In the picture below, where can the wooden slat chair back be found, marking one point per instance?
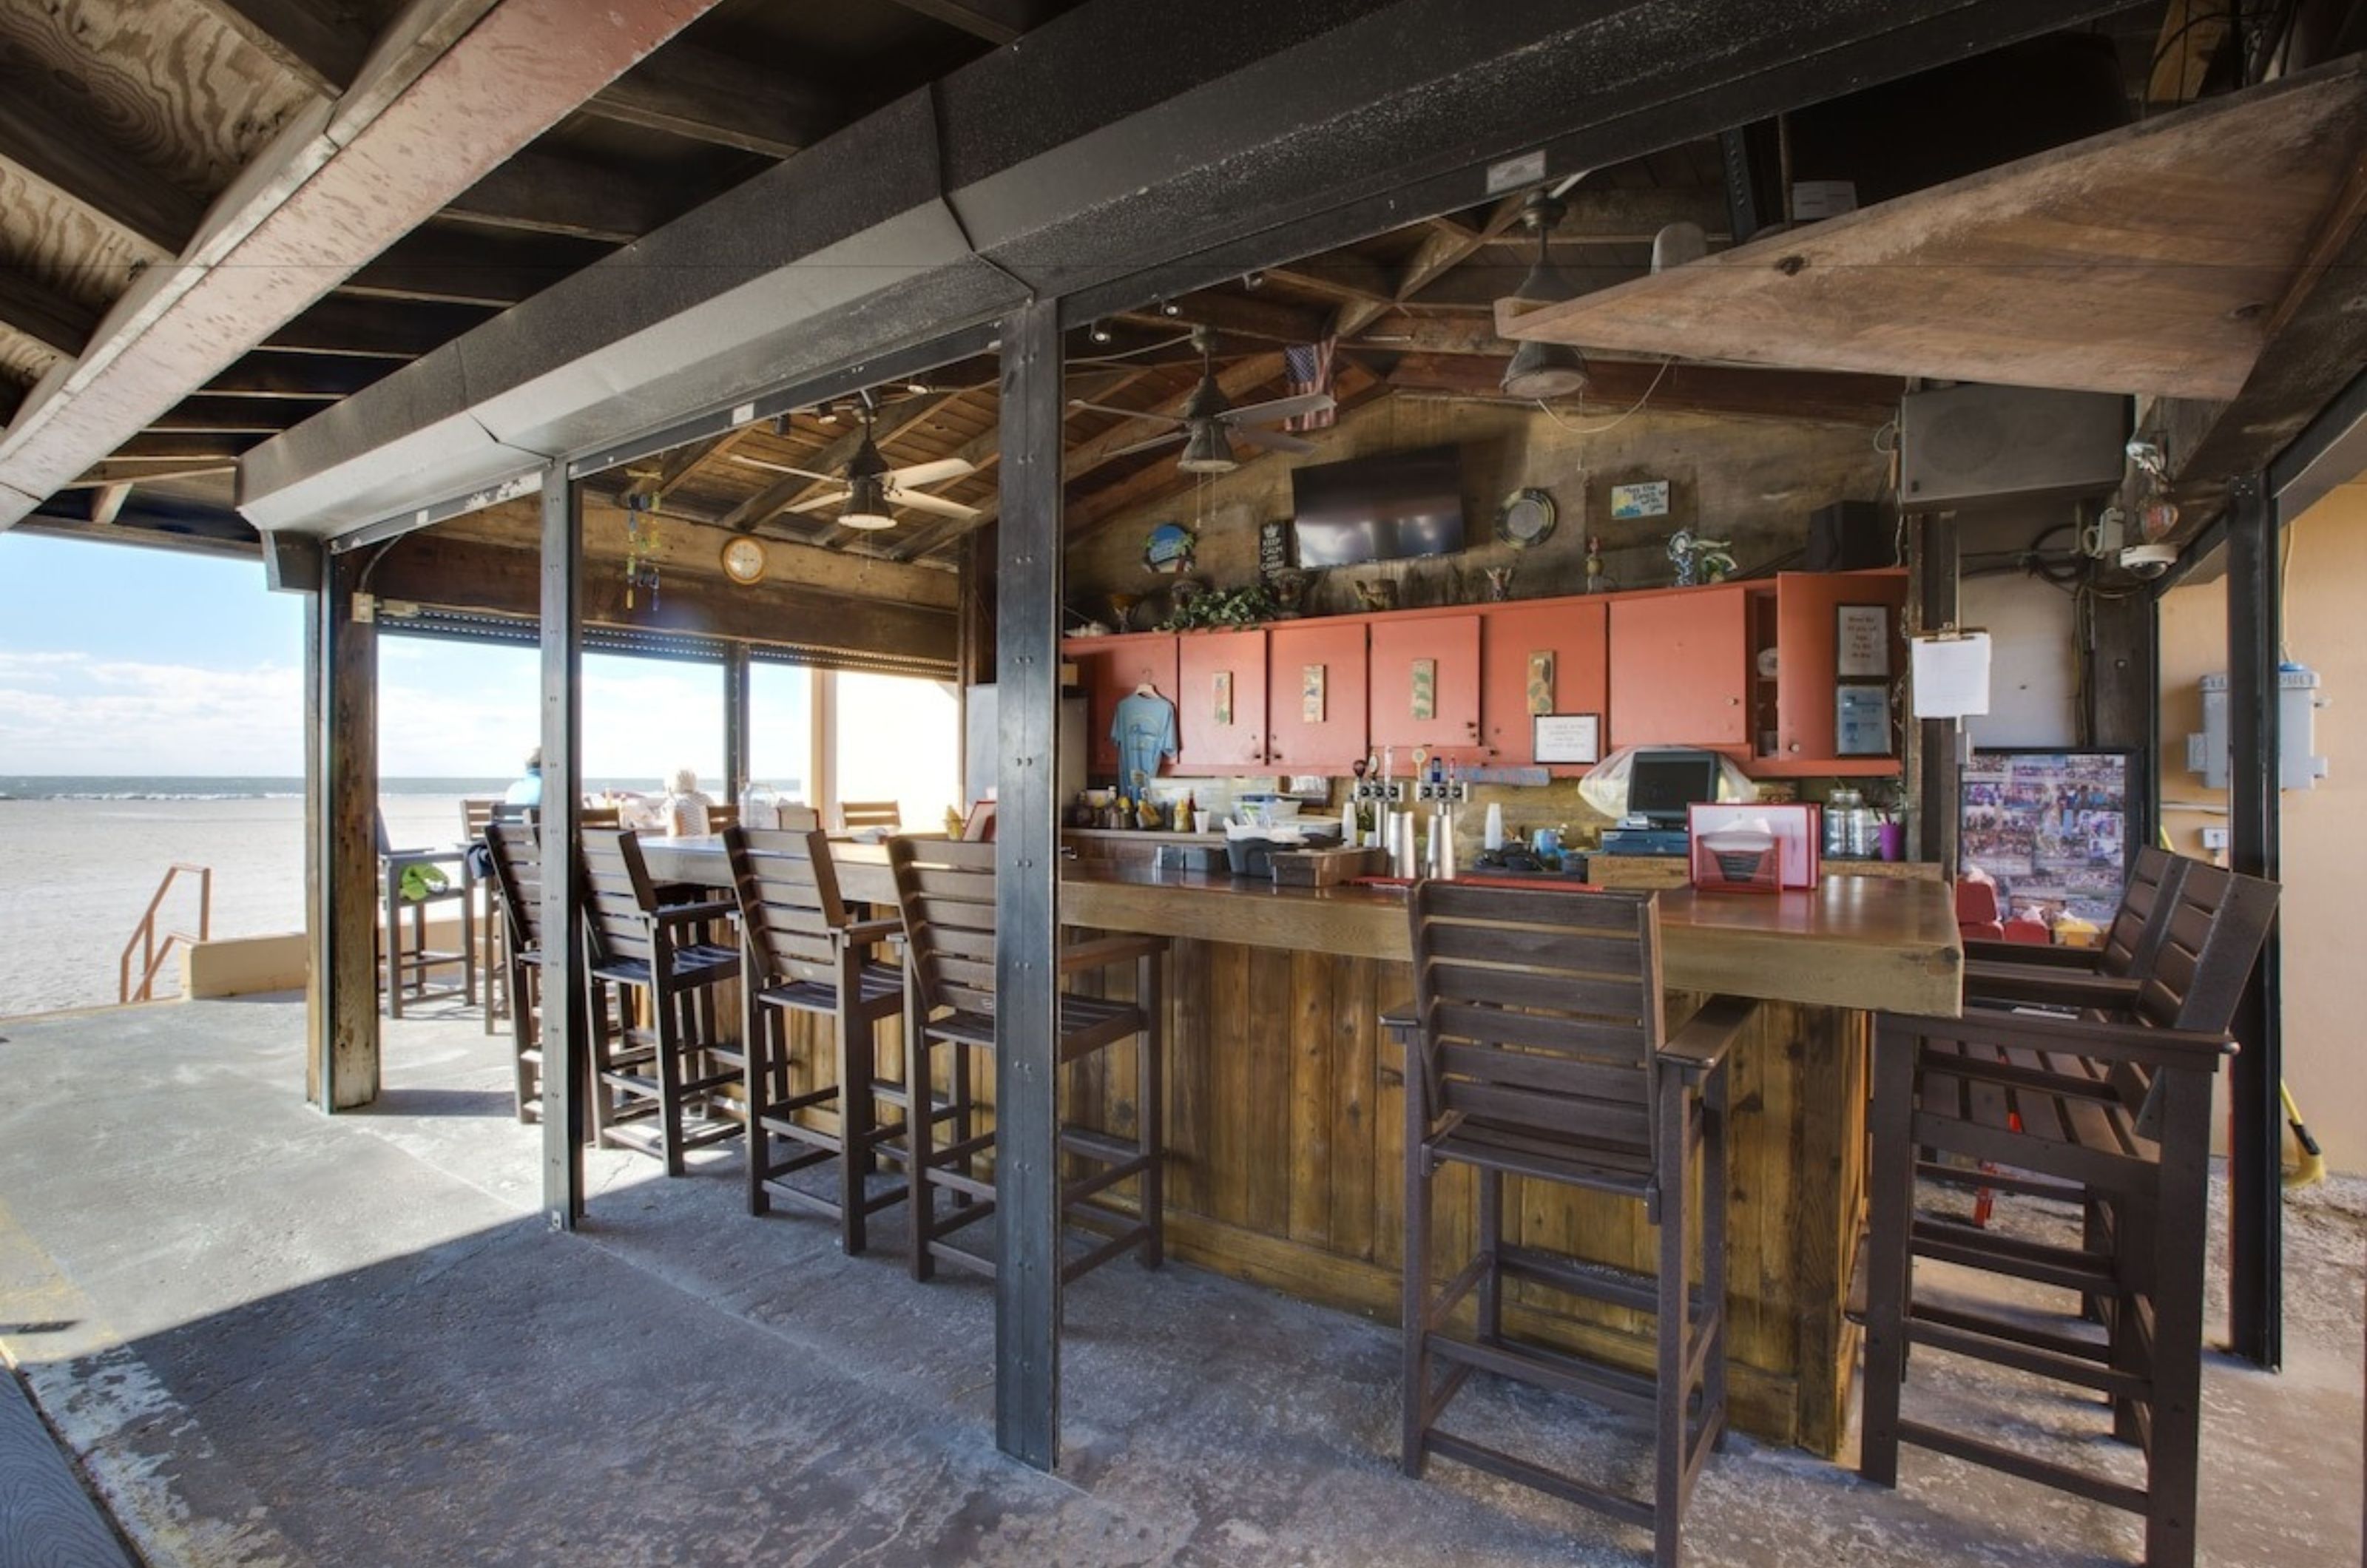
(946, 890)
(1538, 1048)
(647, 1083)
(2015, 975)
(856, 815)
(2112, 1108)
(2143, 918)
(722, 816)
(516, 854)
(807, 952)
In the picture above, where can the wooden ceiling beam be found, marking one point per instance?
(684, 461)
(372, 329)
(543, 193)
(2191, 33)
(1442, 250)
(235, 416)
(107, 502)
(706, 95)
(1242, 315)
(187, 447)
(48, 319)
(1616, 384)
(452, 90)
(76, 161)
(321, 377)
(134, 471)
(322, 50)
(997, 21)
(439, 265)
(1342, 275)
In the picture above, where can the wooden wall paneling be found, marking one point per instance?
(1356, 1033)
(1314, 1041)
(1396, 991)
(1229, 1151)
(1267, 1140)
(1190, 1073)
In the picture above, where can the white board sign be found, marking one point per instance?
(1650, 499)
(1568, 738)
(1951, 675)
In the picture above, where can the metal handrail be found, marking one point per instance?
(152, 950)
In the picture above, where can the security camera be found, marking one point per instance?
(2148, 560)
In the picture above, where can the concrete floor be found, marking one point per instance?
(271, 1338)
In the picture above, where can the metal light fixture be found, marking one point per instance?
(1544, 369)
(1208, 450)
(866, 504)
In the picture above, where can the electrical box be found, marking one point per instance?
(2297, 704)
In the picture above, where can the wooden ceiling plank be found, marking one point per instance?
(2191, 32)
(1239, 315)
(1341, 275)
(1815, 396)
(542, 193)
(997, 21)
(318, 377)
(451, 89)
(2145, 260)
(77, 161)
(235, 416)
(890, 423)
(1442, 249)
(358, 328)
(135, 470)
(684, 461)
(48, 318)
(706, 95)
(324, 52)
(107, 502)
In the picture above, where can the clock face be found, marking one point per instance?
(743, 561)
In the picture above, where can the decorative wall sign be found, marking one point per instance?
(1273, 548)
(1169, 548)
(1310, 694)
(1540, 682)
(1861, 642)
(1222, 709)
(1650, 499)
(1425, 690)
(1568, 738)
(1862, 720)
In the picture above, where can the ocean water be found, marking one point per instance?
(81, 857)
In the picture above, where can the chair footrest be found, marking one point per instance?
(2001, 1351)
(2013, 1461)
(1629, 1510)
(1971, 1248)
(1549, 1369)
(1596, 1282)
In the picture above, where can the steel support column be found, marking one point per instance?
(1027, 844)
(735, 721)
(341, 1068)
(565, 1048)
(2256, 1148)
(1934, 769)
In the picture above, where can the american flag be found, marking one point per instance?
(1306, 367)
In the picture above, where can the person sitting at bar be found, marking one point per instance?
(527, 791)
(684, 815)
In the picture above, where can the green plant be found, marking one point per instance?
(1223, 608)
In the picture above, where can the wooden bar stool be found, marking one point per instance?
(516, 852)
(1539, 1049)
(477, 812)
(408, 965)
(645, 1083)
(2008, 973)
(946, 890)
(2109, 1110)
(803, 952)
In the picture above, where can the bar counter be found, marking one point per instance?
(1285, 1099)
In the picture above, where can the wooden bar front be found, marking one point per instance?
(1284, 1102)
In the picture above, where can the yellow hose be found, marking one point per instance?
(2311, 1168)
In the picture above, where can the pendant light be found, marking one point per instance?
(1208, 450)
(867, 485)
(1544, 369)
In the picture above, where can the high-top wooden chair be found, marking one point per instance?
(946, 892)
(2107, 976)
(516, 854)
(853, 816)
(1539, 1049)
(407, 964)
(803, 952)
(2108, 1110)
(645, 1086)
(476, 813)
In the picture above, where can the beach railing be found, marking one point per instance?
(153, 949)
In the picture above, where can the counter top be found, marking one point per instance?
(1854, 941)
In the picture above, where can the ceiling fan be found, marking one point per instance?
(870, 487)
(1209, 424)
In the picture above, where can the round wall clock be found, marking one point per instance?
(1526, 518)
(743, 561)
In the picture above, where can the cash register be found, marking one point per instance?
(1662, 788)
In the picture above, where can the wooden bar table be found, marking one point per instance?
(1284, 1109)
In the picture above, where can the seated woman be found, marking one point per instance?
(684, 814)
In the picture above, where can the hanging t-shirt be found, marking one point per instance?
(1144, 729)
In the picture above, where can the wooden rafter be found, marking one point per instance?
(48, 319)
(326, 53)
(2191, 33)
(1241, 315)
(684, 461)
(77, 161)
(544, 193)
(997, 21)
(1442, 249)
(709, 95)
(368, 329)
(1617, 384)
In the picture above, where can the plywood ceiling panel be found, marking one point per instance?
(2147, 260)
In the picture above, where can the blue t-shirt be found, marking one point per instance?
(526, 791)
(1144, 729)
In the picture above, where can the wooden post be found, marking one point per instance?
(2124, 694)
(1931, 765)
(565, 1045)
(341, 1066)
(1027, 844)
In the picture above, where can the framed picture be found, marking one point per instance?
(2051, 828)
(1862, 720)
(1310, 694)
(1540, 682)
(1221, 709)
(1425, 690)
(1574, 739)
(1861, 642)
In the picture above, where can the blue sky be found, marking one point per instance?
(119, 660)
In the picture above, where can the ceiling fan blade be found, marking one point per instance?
(1279, 408)
(1170, 439)
(1273, 441)
(784, 469)
(817, 503)
(931, 473)
(1124, 414)
(918, 502)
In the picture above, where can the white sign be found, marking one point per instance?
(1568, 738)
(1650, 499)
(1951, 675)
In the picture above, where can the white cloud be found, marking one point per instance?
(62, 712)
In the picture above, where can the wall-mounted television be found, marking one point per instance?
(1379, 508)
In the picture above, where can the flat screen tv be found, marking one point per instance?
(2052, 828)
(1380, 508)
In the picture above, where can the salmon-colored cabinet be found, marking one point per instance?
(1220, 701)
(1808, 607)
(1447, 714)
(1109, 669)
(1574, 633)
(1680, 669)
(1315, 722)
